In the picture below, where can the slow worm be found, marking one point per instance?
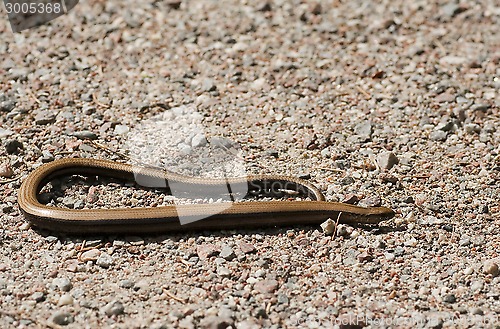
(241, 214)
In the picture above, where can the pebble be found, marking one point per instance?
(372, 201)
(387, 160)
(85, 134)
(223, 271)
(6, 170)
(472, 128)
(364, 130)
(7, 106)
(113, 308)
(127, 284)
(104, 260)
(246, 248)
(121, 129)
(65, 299)
(13, 146)
(90, 255)
(328, 226)
(206, 251)
(266, 286)
(47, 156)
(343, 230)
(227, 253)
(5, 133)
(199, 140)
(45, 118)
(64, 284)
(490, 267)
(438, 136)
(214, 321)
(62, 318)
(38, 296)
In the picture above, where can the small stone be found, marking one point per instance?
(246, 247)
(227, 253)
(199, 140)
(44, 118)
(477, 311)
(305, 176)
(438, 136)
(62, 318)
(372, 201)
(328, 226)
(446, 126)
(13, 146)
(480, 107)
(85, 134)
(445, 97)
(69, 201)
(343, 230)
(127, 284)
(350, 198)
(364, 257)
(491, 267)
(63, 284)
(65, 299)
(5, 133)
(114, 308)
(121, 129)
(264, 6)
(273, 153)
(223, 271)
(38, 296)
(206, 251)
(451, 9)
(387, 160)
(450, 298)
(208, 85)
(7, 105)
(47, 156)
(6, 170)
(472, 128)
(104, 260)
(364, 130)
(347, 180)
(90, 255)
(213, 321)
(266, 286)
(316, 9)
(222, 142)
(174, 4)
(476, 286)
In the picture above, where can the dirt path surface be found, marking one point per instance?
(394, 103)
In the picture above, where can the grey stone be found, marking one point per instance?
(38, 296)
(85, 134)
(45, 117)
(7, 106)
(5, 133)
(64, 284)
(12, 146)
(113, 308)
(199, 140)
(387, 160)
(266, 286)
(104, 260)
(62, 318)
(227, 253)
(47, 156)
(438, 136)
(364, 130)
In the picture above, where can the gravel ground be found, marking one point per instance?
(391, 102)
